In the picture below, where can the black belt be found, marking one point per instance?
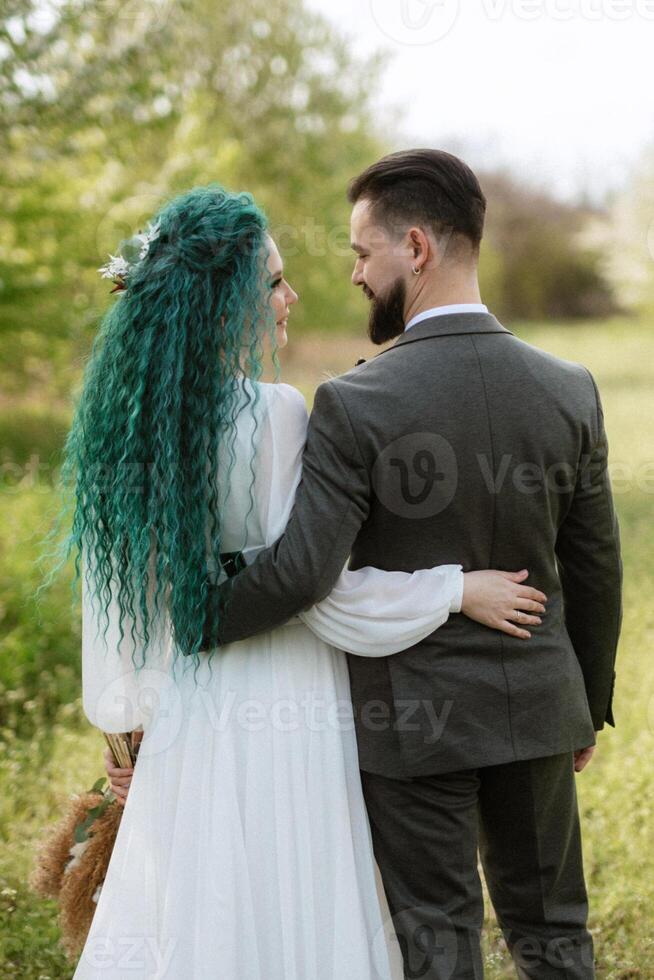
(232, 562)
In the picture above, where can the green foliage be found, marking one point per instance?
(122, 105)
(82, 830)
(39, 670)
(29, 936)
(536, 260)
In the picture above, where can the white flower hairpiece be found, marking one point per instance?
(146, 237)
(133, 250)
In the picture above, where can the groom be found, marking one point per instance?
(459, 444)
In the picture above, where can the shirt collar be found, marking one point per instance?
(443, 310)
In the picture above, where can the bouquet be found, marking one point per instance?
(72, 860)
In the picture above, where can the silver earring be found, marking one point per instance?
(416, 272)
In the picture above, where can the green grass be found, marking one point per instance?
(48, 750)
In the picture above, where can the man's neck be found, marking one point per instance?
(430, 298)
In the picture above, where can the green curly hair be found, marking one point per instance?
(160, 397)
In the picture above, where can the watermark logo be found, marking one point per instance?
(568, 10)
(133, 953)
(424, 22)
(142, 16)
(415, 22)
(426, 939)
(151, 698)
(416, 476)
(119, 223)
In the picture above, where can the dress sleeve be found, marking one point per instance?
(369, 612)
(282, 436)
(115, 696)
(374, 613)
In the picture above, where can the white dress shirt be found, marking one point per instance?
(442, 310)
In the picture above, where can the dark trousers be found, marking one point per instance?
(522, 818)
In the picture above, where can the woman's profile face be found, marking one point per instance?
(282, 296)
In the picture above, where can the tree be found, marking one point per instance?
(538, 261)
(108, 107)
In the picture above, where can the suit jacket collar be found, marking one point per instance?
(449, 325)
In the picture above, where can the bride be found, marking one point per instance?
(244, 849)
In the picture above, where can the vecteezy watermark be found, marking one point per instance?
(312, 713)
(150, 697)
(407, 715)
(416, 476)
(142, 953)
(167, 238)
(415, 22)
(560, 953)
(153, 698)
(567, 10)
(423, 22)
(143, 16)
(306, 236)
(33, 474)
(119, 221)
(526, 477)
(427, 941)
(313, 238)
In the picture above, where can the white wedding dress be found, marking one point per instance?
(244, 849)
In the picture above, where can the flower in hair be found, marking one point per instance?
(116, 270)
(131, 251)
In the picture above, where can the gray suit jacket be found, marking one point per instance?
(458, 444)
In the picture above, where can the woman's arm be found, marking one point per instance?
(116, 697)
(375, 613)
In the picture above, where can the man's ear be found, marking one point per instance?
(419, 246)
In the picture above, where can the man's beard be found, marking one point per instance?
(386, 320)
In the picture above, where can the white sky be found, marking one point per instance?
(561, 90)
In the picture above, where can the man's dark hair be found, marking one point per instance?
(423, 186)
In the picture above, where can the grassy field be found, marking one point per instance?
(48, 750)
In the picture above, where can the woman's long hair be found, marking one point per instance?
(159, 398)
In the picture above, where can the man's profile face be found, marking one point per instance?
(380, 257)
(380, 271)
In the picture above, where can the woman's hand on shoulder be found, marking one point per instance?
(502, 601)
